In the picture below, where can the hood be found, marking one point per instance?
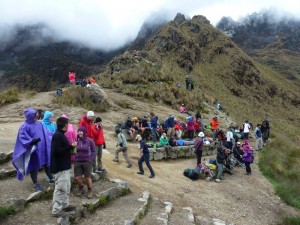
(29, 115)
(221, 149)
(47, 116)
(83, 130)
(64, 115)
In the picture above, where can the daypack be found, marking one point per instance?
(118, 127)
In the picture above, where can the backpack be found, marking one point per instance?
(118, 127)
(191, 174)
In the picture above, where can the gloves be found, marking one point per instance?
(35, 141)
(121, 144)
(104, 146)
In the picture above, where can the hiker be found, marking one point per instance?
(98, 137)
(197, 115)
(129, 126)
(86, 153)
(60, 164)
(71, 135)
(83, 82)
(153, 124)
(187, 82)
(248, 156)
(144, 126)
(220, 162)
(145, 156)
(48, 123)
(229, 138)
(190, 127)
(238, 152)
(258, 138)
(219, 106)
(87, 122)
(214, 127)
(92, 80)
(31, 151)
(265, 129)
(72, 78)
(178, 129)
(122, 147)
(246, 129)
(170, 124)
(182, 109)
(198, 145)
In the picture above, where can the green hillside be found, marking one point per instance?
(247, 89)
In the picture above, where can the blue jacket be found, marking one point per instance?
(257, 133)
(153, 122)
(170, 122)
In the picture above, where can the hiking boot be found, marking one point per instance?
(129, 165)
(218, 180)
(90, 194)
(151, 176)
(79, 191)
(141, 173)
(38, 187)
(115, 160)
(69, 208)
(247, 173)
(61, 213)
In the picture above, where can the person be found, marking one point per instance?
(153, 125)
(48, 123)
(214, 127)
(86, 153)
(98, 136)
(219, 106)
(258, 138)
(122, 146)
(238, 152)
(92, 80)
(197, 115)
(129, 126)
(220, 161)
(144, 157)
(72, 78)
(229, 138)
(248, 156)
(31, 151)
(60, 165)
(71, 135)
(190, 127)
(170, 124)
(246, 130)
(265, 129)
(83, 82)
(87, 122)
(198, 145)
(187, 82)
(182, 109)
(178, 129)
(163, 140)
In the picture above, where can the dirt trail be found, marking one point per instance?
(239, 199)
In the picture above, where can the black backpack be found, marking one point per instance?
(191, 174)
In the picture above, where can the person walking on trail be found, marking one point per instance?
(258, 138)
(247, 128)
(198, 145)
(99, 140)
(122, 147)
(87, 122)
(60, 165)
(32, 149)
(265, 129)
(214, 127)
(220, 162)
(145, 157)
(86, 153)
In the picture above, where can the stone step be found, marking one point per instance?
(158, 213)
(104, 191)
(125, 210)
(182, 216)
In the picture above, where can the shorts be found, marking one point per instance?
(83, 168)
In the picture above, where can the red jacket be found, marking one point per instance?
(84, 122)
(214, 124)
(98, 135)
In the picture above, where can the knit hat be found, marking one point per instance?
(90, 114)
(64, 115)
(98, 119)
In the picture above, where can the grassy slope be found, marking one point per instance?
(247, 89)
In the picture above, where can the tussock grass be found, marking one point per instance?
(82, 97)
(5, 211)
(291, 221)
(9, 96)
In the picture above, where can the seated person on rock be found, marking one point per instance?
(163, 140)
(129, 126)
(182, 109)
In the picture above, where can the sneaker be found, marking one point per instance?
(151, 176)
(218, 180)
(69, 208)
(90, 194)
(129, 165)
(141, 173)
(61, 213)
(51, 181)
(38, 187)
(101, 169)
(115, 160)
(79, 192)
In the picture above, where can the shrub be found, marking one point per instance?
(5, 211)
(9, 96)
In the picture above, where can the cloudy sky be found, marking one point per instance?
(109, 24)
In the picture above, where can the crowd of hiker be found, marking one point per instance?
(54, 146)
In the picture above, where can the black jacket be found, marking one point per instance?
(60, 158)
(220, 155)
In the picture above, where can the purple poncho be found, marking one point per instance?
(28, 158)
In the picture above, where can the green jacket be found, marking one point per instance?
(163, 141)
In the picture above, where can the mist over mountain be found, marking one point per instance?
(268, 37)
